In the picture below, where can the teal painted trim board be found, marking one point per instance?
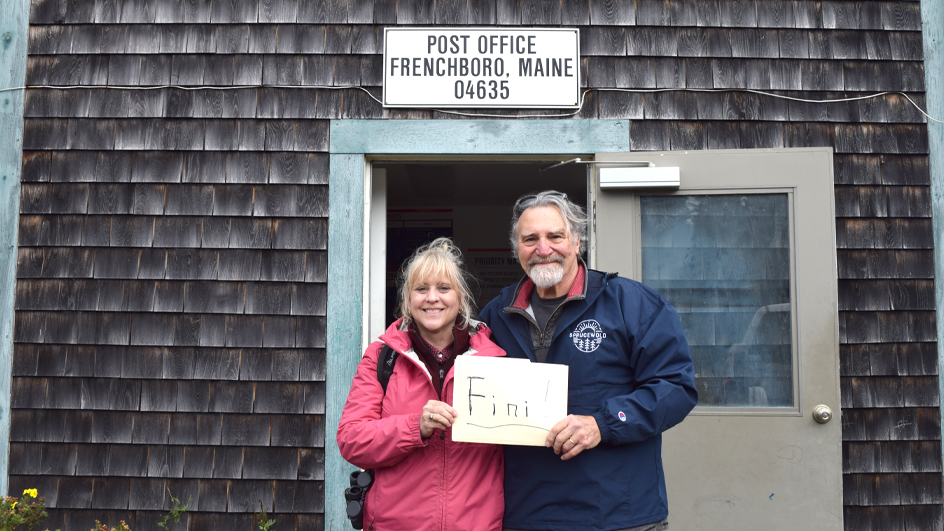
(932, 32)
(351, 142)
(14, 29)
(345, 300)
(498, 137)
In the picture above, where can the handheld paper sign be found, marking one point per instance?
(507, 401)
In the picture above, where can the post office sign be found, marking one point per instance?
(481, 67)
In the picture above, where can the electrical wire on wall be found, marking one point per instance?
(487, 115)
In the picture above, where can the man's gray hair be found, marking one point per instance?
(574, 215)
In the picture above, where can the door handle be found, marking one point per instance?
(822, 414)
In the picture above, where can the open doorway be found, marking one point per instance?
(469, 202)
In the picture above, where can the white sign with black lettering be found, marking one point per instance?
(507, 400)
(481, 67)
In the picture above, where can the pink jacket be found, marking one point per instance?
(437, 484)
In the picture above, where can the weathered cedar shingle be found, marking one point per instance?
(75, 492)
(920, 489)
(250, 234)
(141, 362)
(245, 496)
(270, 463)
(146, 493)
(212, 330)
(215, 364)
(200, 38)
(194, 264)
(193, 396)
(185, 428)
(165, 461)
(173, 38)
(231, 397)
(273, 397)
(25, 360)
(255, 364)
(110, 493)
(213, 495)
(247, 71)
(621, 105)
(311, 464)
(198, 462)
(277, 11)
(132, 231)
(268, 298)
(871, 489)
(279, 332)
(187, 330)
(262, 38)
(287, 266)
(127, 460)
(158, 395)
(612, 14)
(309, 497)
(905, 46)
(366, 39)
(297, 431)
(37, 231)
(112, 427)
(283, 498)
(240, 265)
(243, 430)
(232, 38)
(215, 232)
(301, 39)
(309, 299)
(540, 12)
(901, 16)
(314, 397)
(229, 12)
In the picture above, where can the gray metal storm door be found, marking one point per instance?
(745, 251)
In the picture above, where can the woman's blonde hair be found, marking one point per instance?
(440, 258)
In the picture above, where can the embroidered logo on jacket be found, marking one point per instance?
(588, 335)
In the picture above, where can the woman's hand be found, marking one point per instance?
(436, 415)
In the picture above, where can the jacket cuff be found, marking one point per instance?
(605, 433)
(415, 429)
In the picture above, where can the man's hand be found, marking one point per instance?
(573, 435)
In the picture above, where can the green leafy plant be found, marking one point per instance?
(27, 512)
(263, 519)
(173, 517)
(122, 526)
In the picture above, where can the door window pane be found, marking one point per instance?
(723, 261)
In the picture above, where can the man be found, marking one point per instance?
(631, 378)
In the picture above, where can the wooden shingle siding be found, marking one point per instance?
(172, 262)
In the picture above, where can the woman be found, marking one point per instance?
(422, 478)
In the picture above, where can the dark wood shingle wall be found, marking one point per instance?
(172, 257)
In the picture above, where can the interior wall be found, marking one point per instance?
(470, 202)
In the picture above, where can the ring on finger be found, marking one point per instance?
(430, 416)
(572, 441)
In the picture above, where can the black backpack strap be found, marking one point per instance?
(388, 358)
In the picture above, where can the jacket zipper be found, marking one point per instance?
(533, 322)
(445, 455)
(442, 516)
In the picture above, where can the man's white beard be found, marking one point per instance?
(546, 273)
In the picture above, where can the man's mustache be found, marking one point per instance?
(551, 259)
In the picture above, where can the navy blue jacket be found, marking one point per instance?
(631, 369)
